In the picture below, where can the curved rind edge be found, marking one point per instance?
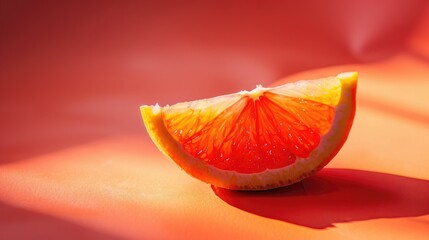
(273, 178)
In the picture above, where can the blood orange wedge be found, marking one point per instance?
(262, 139)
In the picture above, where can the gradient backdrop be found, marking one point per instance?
(77, 163)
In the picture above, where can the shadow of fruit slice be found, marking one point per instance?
(336, 196)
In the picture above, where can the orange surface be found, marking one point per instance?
(76, 161)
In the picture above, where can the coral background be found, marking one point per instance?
(77, 163)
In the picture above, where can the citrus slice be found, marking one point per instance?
(259, 139)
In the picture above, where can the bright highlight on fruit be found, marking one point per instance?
(259, 139)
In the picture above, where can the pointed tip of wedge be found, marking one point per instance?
(154, 108)
(348, 76)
